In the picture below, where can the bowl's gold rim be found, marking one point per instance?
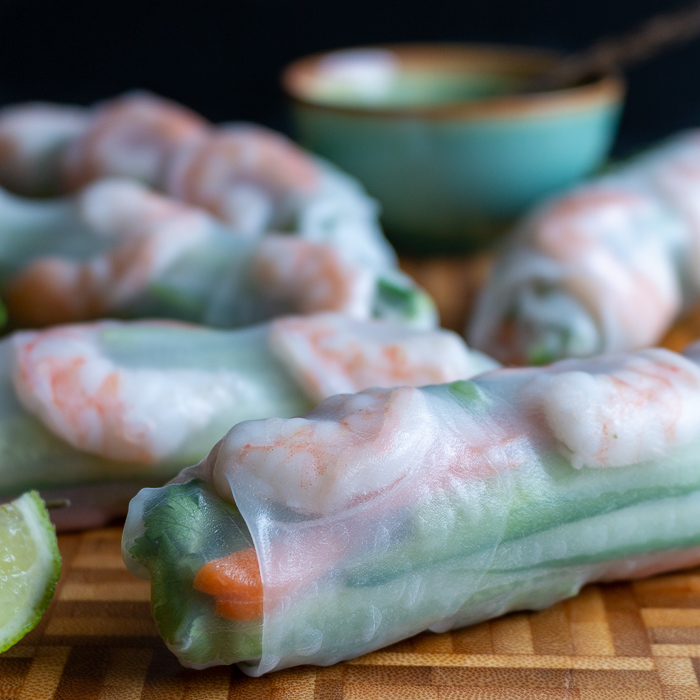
(515, 60)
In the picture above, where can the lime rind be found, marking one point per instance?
(29, 516)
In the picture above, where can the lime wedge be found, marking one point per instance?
(30, 565)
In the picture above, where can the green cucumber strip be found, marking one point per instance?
(539, 499)
(398, 299)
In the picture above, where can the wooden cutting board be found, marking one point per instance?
(634, 640)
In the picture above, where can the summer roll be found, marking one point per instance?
(606, 267)
(254, 179)
(96, 411)
(120, 249)
(381, 514)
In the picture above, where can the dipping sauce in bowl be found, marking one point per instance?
(440, 135)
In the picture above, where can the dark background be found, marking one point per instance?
(224, 58)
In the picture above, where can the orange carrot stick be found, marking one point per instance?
(234, 581)
(236, 584)
(234, 610)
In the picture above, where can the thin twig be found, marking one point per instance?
(612, 53)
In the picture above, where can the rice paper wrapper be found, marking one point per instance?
(382, 514)
(604, 267)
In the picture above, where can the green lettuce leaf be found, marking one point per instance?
(186, 525)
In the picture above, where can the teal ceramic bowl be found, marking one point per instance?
(437, 133)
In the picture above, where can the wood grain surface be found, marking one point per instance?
(614, 642)
(633, 640)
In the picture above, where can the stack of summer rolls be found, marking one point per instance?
(410, 497)
(248, 226)
(387, 512)
(276, 249)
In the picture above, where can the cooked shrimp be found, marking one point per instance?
(570, 226)
(50, 291)
(131, 136)
(246, 175)
(311, 277)
(63, 376)
(376, 447)
(332, 354)
(32, 139)
(626, 280)
(612, 411)
(118, 207)
(328, 460)
(615, 411)
(151, 233)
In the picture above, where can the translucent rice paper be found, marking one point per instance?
(254, 179)
(606, 267)
(84, 405)
(331, 354)
(118, 248)
(385, 513)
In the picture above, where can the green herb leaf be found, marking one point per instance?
(186, 525)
